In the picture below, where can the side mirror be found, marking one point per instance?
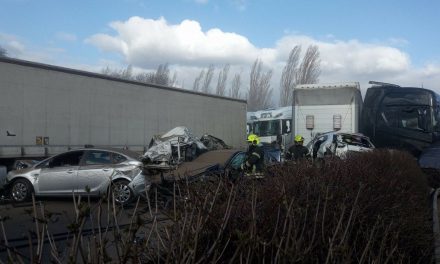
(286, 127)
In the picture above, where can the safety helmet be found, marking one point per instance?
(299, 138)
(252, 138)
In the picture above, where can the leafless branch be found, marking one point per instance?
(259, 88)
(208, 79)
(309, 70)
(288, 77)
(235, 87)
(221, 82)
(196, 85)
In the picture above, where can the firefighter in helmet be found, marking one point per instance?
(297, 151)
(255, 155)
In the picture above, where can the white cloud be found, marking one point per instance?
(148, 42)
(17, 48)
(11, 43)
(351, 57)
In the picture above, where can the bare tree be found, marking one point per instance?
(288, 77)
(106, 71)
(144, 77)
(162, 75)
(126, 73)
(259, 88)
(221, 82)
(235, 87)
(196, 85)
(173, 81)
(309, 70)
(208, 79)
(3, 52)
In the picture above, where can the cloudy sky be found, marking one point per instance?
(389, 40)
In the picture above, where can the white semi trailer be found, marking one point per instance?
(325, 107)
(45, 110)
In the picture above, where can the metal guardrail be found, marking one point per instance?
(436, 225)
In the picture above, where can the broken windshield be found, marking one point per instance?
(267, 128)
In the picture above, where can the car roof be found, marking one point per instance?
(126, 152)
(340, 133)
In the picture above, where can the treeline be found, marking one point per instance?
(297, 70)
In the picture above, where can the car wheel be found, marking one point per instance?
(121, 192)
(21, 190)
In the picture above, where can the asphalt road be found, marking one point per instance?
(21, 223)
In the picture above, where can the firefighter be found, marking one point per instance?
(297, 151)
(255, 155)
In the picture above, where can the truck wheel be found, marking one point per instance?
(21, 190)
(121, 192)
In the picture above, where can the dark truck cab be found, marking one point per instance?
(405, 118)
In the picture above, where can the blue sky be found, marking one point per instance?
(394, 41)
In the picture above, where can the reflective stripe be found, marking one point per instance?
(256, 154)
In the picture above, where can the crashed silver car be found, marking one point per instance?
(172, 148)
(89, 171)
(338, 144)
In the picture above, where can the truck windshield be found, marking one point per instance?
(267, 128)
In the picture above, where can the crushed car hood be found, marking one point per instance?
(161, 146)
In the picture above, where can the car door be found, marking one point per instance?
(95, 172)
(58, 174)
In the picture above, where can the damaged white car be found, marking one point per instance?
(338, 144)
(172, 148)
(89, 171)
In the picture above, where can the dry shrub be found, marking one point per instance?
(368, 208)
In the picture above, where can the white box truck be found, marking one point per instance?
(45, 110)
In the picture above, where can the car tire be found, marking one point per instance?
(21, 190)
(121, 192)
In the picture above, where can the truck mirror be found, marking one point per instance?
(287, 128)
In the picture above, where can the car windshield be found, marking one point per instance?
(356, 140)
(267, 128)
(237, 161)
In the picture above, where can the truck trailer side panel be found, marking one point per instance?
(46, 110)
(323, 117)
(330, 107)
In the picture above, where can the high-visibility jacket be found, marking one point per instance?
(297, 152)
(255, 158)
